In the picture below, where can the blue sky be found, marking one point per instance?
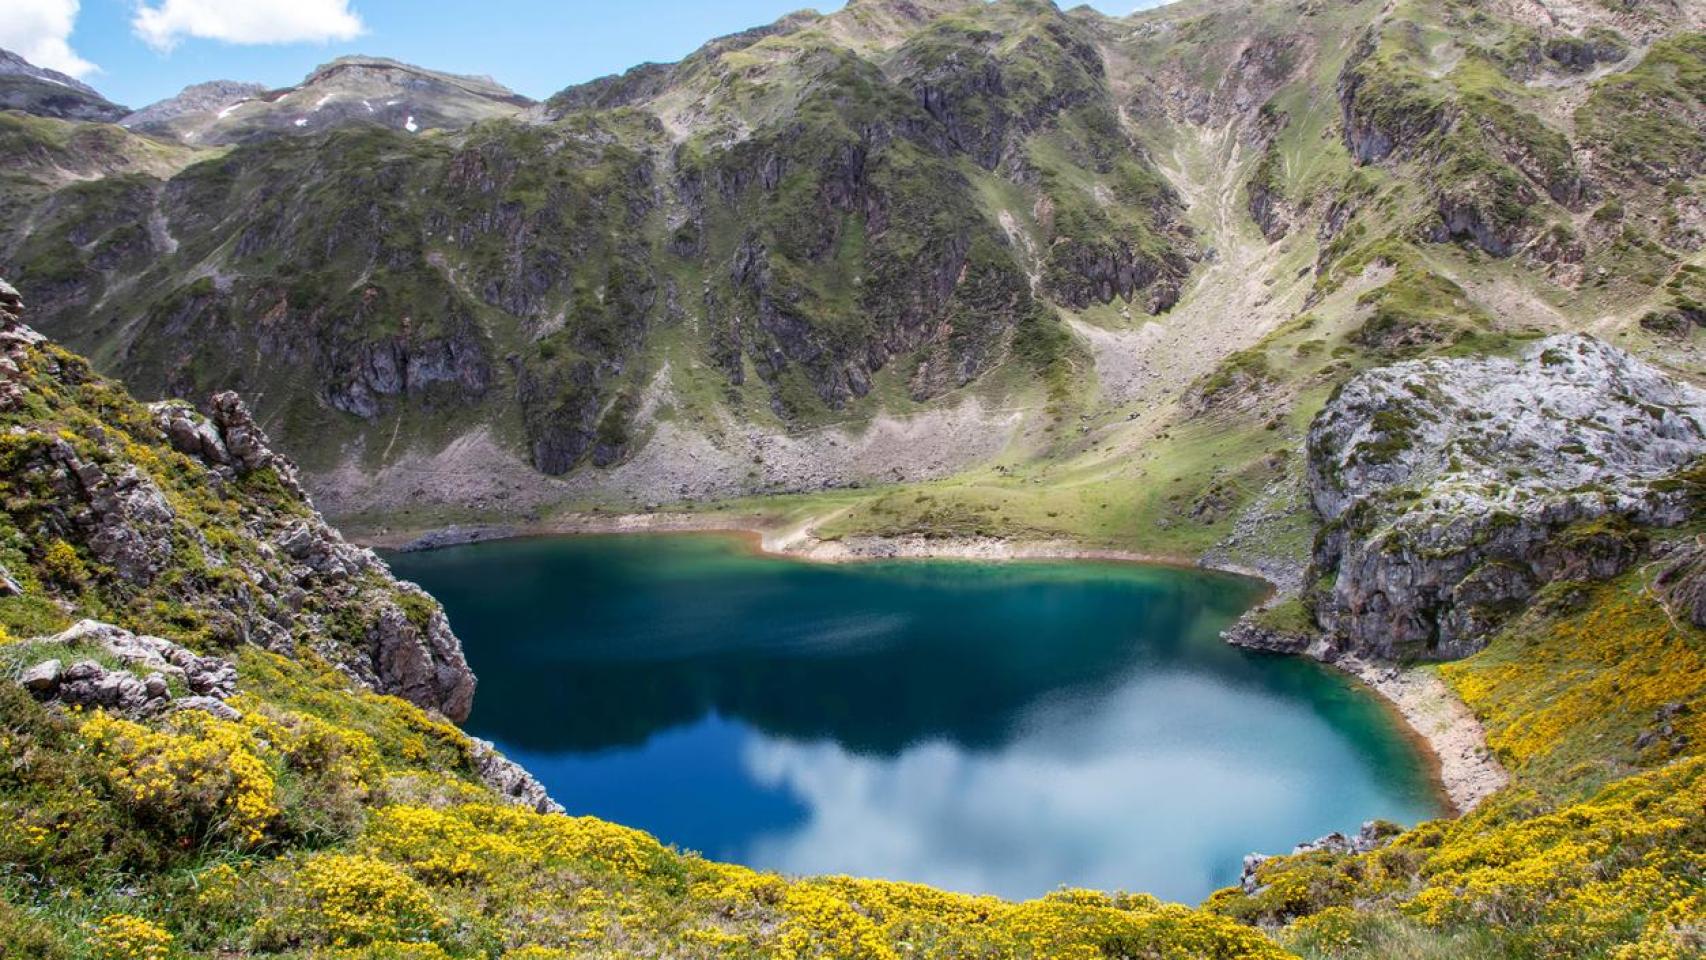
(139, 51)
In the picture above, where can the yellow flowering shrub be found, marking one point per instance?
(387, 950)
(312, 746)
(62, 564)
(120, 936)
(1332, 932)
(1563, 698)
(356, 900)
(440, 846)
(584, 840)
(822, 925)
(1586, 856)
(198, 775)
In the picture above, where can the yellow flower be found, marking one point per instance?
(120, 936)
(207, 775)
(353, 900)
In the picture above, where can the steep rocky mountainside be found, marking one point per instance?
(904, 242)
(164, 521)
(816, 213)
(49, 93)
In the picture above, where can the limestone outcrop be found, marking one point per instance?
(143, 676)
(1452, 490)
(222, 535)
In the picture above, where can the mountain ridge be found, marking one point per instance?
(1332, 292)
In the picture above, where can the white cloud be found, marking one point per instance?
(1144, 791)
(162, 25)
(40, 32)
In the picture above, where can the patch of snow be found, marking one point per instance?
(302, 121)
(231, 109)
(369, 106)
(410, 125)
(323, 100)
(392, 103)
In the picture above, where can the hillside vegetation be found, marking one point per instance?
(1397, 302)
(311, 816)
(1045, 246)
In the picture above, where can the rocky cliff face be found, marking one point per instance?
(1452, 490)
(811, 240)
(833, 218)
(165, 518)
(49, 93)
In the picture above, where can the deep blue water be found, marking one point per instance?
(1001, 728)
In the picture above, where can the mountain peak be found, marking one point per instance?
(49, 93)
(348, 91)
(195, 99)
(366, 68)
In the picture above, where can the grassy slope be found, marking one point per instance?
(331, 821)
(1595, 848)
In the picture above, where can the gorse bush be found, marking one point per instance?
(1586, 856)
(202, 778)
(123, 937)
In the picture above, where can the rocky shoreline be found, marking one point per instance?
(1466, 770)
(797, 542)
(1453, 739)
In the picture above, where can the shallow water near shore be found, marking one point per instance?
(993, 728)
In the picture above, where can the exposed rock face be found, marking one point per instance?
(418, 661)
(1251, 635)
(511, 779)
(414, 656)
(1269, 209)
(162, 664)
(1081, 272)
(49, 93)
(1377, 122)
(104, 496)
(1681, 583)
(1454, 489)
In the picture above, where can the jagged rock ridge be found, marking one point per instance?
(49, 93)
(125, 516)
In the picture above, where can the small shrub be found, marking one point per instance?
(352, 901)
(121, 936)
(62, 565)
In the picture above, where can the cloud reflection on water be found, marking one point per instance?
(998, 821)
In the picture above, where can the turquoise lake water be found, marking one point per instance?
(998, 728)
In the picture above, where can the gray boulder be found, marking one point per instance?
(42, 677)
(1453, 490)
(141, 686)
